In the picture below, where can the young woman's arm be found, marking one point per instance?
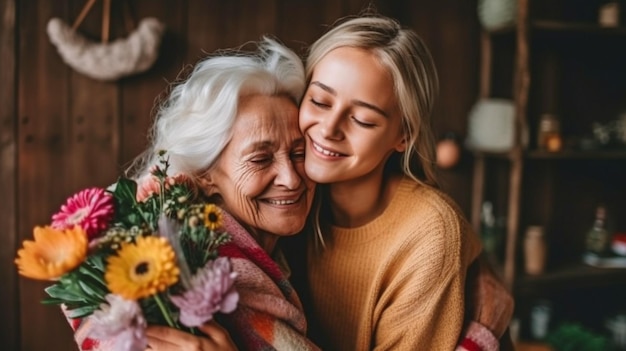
(489, 306)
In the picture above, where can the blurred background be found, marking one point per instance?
(61, 131)
(530, 118)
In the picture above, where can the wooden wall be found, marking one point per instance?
(61, 131)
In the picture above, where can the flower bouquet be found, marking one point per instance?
(129, 256)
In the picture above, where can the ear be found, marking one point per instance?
(207, 184)
(401, 146)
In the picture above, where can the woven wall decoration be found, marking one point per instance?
(107, 61)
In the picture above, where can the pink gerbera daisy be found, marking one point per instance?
(91, 209)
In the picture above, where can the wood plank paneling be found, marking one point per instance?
(62, 131)
(452, 35)
(93, 138)
(302, 22)
(43, 134)
(9, 326)
(139, 92)
(246, 20)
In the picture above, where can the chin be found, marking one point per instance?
(287, 229)
(317, 174)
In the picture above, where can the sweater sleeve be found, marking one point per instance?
(421, 307)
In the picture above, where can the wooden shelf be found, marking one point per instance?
(614, 154)
(573, 69)
(575, 275)
(575, 154)
(577, 28)
(532, 346)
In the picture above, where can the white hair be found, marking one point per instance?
(195, 123)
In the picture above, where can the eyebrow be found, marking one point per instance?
(258, 145)
(267, 144)
(361, 103)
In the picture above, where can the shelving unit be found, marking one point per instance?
(556, 59)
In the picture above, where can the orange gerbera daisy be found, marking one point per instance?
(53, 253)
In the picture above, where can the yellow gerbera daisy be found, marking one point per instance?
(142, 268)
(53, 253)
(212, 217)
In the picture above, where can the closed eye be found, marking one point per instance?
(363, 124)
(260, 160)
(319, 104)
(298, 155)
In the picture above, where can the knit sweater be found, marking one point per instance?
(396, 283)
(269, 315)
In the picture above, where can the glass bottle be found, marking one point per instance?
(535, 250)
(549, 133)
(598, 237)
(488, 228)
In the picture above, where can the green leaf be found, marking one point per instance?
(80, 312)
(65, 293)
(125, 191)
(52, 301)
(91, 290)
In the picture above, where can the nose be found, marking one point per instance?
(287, 176)
(331, 126)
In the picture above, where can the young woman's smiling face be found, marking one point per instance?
(350, 117)
(260, 174)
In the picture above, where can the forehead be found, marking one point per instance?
(267, 118)
(358, 74)
(360, 65)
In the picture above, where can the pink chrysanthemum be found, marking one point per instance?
(91, 209)
(147, 187)
(150, 185)
(120, 324)
(212, 290)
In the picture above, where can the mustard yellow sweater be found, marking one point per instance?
(396, 283)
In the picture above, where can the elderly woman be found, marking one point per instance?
(232, 127)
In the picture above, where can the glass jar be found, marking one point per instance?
(535, 250)
(549, 133)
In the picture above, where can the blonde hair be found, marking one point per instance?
(416, 84)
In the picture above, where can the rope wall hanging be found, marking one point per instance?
(107, 61)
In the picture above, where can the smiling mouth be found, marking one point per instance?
(325, 152)
(281, 202)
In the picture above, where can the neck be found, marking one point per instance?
(360, 201)
(265, 240)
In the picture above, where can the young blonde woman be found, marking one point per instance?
(388, 268)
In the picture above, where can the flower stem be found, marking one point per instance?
(165, 311)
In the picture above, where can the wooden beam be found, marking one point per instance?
(9, 302)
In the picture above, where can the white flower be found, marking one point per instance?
(121, 323)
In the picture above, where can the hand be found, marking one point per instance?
(169, 339)
(491, 304)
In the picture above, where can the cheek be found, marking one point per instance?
(304, 117)
(299, 167)
(253, 183)
(244, 188)
(244, 208)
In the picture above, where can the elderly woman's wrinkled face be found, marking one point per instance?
(260, 174)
